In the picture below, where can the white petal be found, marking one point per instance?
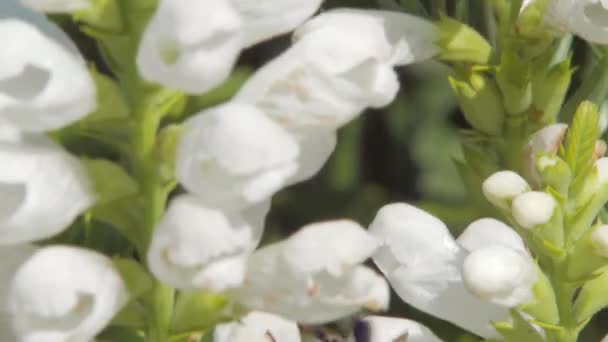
(12, 257)
(265, 19)
(190, 45)
(258, 327)
(234, 156)
(43, 85)
(43, 190)
(200, 247)
(533, 208)
(422, 263)
(313, 276)
(316, 147)
(57, 6)
(585, 18)
(74, 304)
(345, 244)
(500, 274)
(488, 231)
(601, 165)
(599, 236)
(410, 38)
(501, 187)
(385, 329)
(548, 139)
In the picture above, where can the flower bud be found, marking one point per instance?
(501, 187)
(258, 326)
(550, 91)
(554, 172)
(533, 208)
(499, 274)
(480, 101)
(458, 42)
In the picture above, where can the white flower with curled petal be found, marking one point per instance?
(233, 155)
(384, 329)
(258, 327)
(315, 275)
(340, 64)
(43, 188)
(190, 45)
(423, 263)
(44, 85)
(200, 247)
(12, 258)
(74, 304)
(265, 19)
(57, 6)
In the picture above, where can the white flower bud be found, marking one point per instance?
(500, 275)
(33, 171)
(548, 139)
(533, 208)
(57, 6)
(488, 231)
(384, 329)
(601, 165)
(501, 187)
(600, 240)
(585, 18)
(199, 247)
(190, 45)
(75, 302)
(234, 156)
(258, 326)
(43, 84)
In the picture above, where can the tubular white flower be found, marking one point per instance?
(190, 45)
(74, 304)
(314, 276)
(500, 275)
(234, 156)
(548, 139)
(422, 263)
(200, 247)
(501, 187)
(600, 240)
(258, 327)
(488, 231)
(315, 149)
(533, 208)
(340, 64)
(383, 329)
(33, 171)
(264, 20)
(57, 6)
(585, 18)
(43, 84)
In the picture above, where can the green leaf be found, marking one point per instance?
(110, 181)
(135, 277)
(518, 330)
(580, 144)
(197, 311)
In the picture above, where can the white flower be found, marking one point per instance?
(314, 276)
(12, 257)
(258, 327)
(234, 156)
(200, 247)
(548, 139)
(190, 45)
(268, 18)
(385, 329)
(585, 18)
(422, 262)
(43, 189)
(44, 85)
(601, 167)
(501, 187)
(340, 64)
(57, 6)
(316, 146)
(77, 299)
(533, 208)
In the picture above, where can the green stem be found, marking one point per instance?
(564, 292)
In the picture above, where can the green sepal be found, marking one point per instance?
(166, 149)
(103, 15)
(544, 306)
(549, 92)
(198, 311)
(109, 180)
(514, 80)
(221, 93)
(518, 330)
(583, 258)
(458, 42)
(111, 103)
(592, 298)
(135, 277)
(531, 21)
(553, 172)
(479, 100)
